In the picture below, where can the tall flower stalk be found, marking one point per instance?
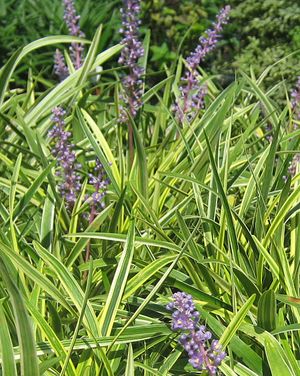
(192, 93)
(70, 185)
(72, 20)
(62, 149)
(195, 339)
(133, 50)
(76, 50)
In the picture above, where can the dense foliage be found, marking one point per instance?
(261, 34)
(129, 211)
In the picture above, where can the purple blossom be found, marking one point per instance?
(60, 68)
(132, 51)
(203, 354)
(63, 150)
(72, 20)
(192, 93)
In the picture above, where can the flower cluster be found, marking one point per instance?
(132, 51)
(295, 103)
(185, 315)
(63, 150)
(192, 93)
(100, 182)
(203, 355)
(72, 20)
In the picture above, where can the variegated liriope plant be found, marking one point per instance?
(174, 253)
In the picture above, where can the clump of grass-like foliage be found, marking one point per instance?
(205, 205)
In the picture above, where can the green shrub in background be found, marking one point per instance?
(23, 21)
(169, 21)
(260, 32)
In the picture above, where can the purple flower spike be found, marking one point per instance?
(203, 354)
(192, 93)
(295, 103)
(72, 20)
(60, 68)
(62, 149)
(132, 51)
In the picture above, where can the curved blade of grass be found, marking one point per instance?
(251, 185)
(7, 71)
(29, 360)
(170, 361)
(24, 201)
(90, 58)
(70, 285)
(14, 181)
(122, 238)
(146, 273)
(103, 143)
(28, 270)
(65, 89)
(230, 224)
(276, 360)
(6, 346)
(53, 341)
(130, 362)
(282, 212)
(134, 334)
(148, 369)
(236, 322)
(270, 260)
(47, 224)
(117, 288)
(266, 315)
(98, 151)
(81, 243)
(142, 160)
(86, 296)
